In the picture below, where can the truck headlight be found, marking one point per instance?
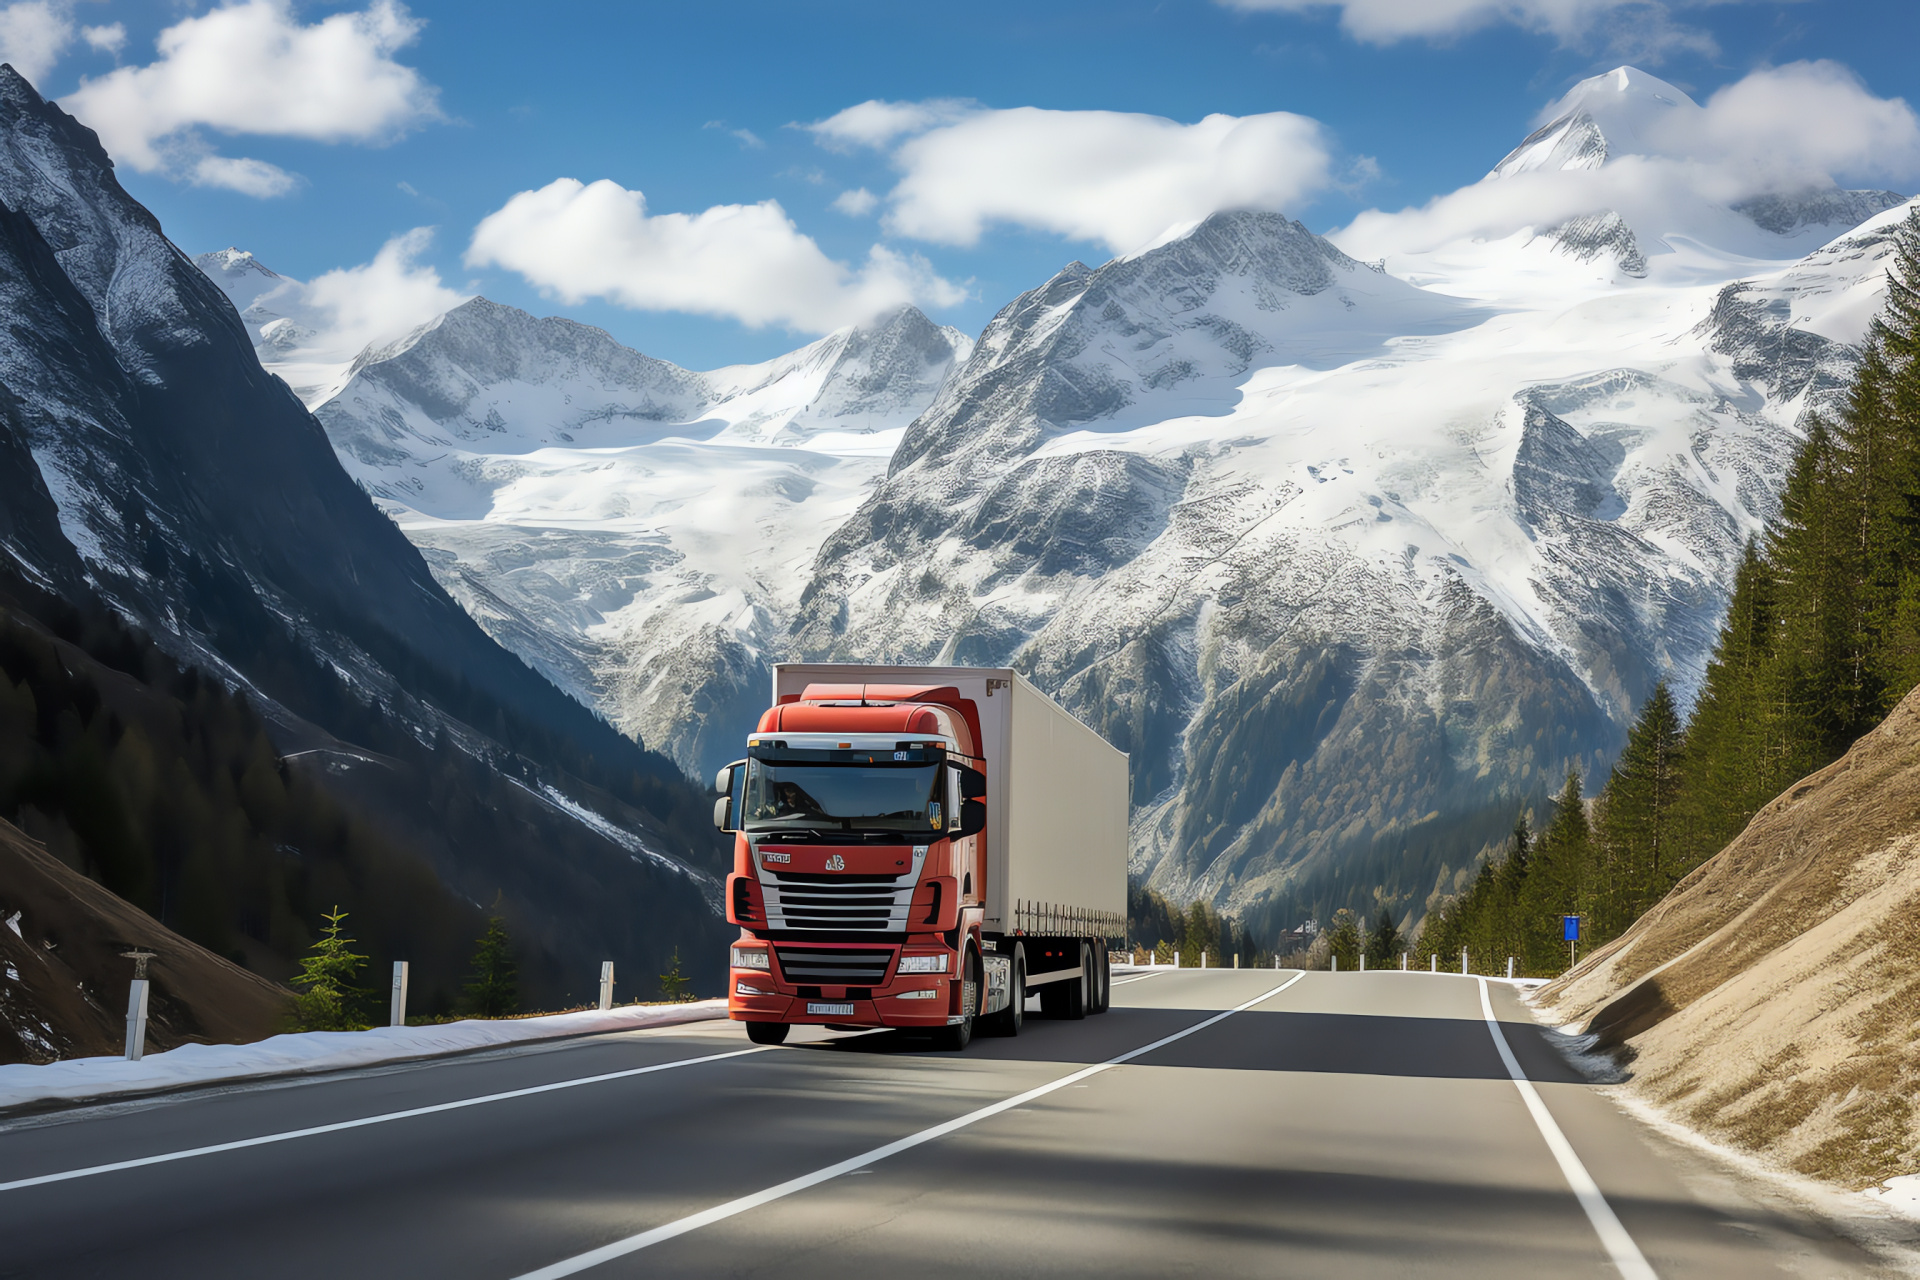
(923, 964)
(743, 989)
(916, 995)
(753, 958)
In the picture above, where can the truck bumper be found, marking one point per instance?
(883, 1009)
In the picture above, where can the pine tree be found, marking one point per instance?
(1557, 879)
(330, 1001)
(1636, 826)
(1383, 942)
(1343, 940)
(493, 989)
(673, 984)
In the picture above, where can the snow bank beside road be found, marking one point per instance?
(309, 1051)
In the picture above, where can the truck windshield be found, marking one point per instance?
(843, 797)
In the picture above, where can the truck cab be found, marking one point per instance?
(861, 877)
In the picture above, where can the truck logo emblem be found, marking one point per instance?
(836, 863)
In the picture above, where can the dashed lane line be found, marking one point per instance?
(733, 1208)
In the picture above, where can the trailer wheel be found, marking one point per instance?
(767, 1032)
(1070, 1000)
(1102, 978)
(957, 1035)
(1008, 1021)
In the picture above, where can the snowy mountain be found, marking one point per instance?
(1354, 546)
(638, 532)
(150, 464)
(1352, 570)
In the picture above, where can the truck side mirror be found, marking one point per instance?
(723, 807)
(973, 819)
(973, 784)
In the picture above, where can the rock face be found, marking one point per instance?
(1770, 998)
(150, 462)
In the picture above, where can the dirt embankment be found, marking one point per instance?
(1772, 1000)
(63, 982)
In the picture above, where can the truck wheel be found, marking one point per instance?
(957, 1035)
(1103, 979)
(1007, 1022)
(767, 1032)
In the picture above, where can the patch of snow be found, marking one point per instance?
(312, 1051)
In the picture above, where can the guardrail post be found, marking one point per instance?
(397, 1006)
(136, 1019)
(606, 985)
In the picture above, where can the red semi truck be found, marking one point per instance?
(920, 847)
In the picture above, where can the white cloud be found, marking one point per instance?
(857, 203)
(1111, 177)
(876, 124)
(1804, 122)
(379, 301)
(111, 38)
(248, 177)
(33, 35)
(1777, 130)
(1386, 21)
(252, 68)
(743, 262)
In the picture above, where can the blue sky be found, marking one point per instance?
(1402, 100)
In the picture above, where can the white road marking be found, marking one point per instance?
(265, 1139)
(1142, 977)
(1626, 1255)
(732, 1208)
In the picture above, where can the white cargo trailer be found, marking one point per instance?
(1057, 820)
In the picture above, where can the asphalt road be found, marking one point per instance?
(1350, 1125)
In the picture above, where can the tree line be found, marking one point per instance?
(1821, 640)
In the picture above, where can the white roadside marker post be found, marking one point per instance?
(1203, 957)
(1463, 960)
(1403, 962)
(1176, 957)
(1363, 962)
(1433, 963)
(1336, 963)
(397, 1007)
(1509, 968)
(1236, 959)
(137, 1005)
(606, 985)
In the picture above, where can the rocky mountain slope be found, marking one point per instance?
(1353, 557)
(64, 993)
(1770, 999)
(151, 463)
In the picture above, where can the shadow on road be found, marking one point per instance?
(1345, 1044)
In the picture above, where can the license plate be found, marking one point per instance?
(844, 1010)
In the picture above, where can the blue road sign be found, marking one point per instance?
(1570, 928)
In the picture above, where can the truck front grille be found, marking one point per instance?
(833, 968)
(802, 900)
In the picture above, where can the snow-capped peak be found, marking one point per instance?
(1623, 112)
